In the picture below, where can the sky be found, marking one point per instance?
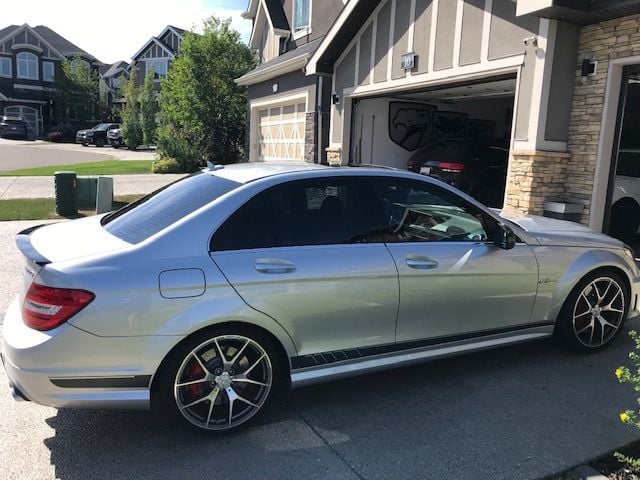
(113, 30)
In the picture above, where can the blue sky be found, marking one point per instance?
(121, 29)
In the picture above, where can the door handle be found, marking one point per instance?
(273, 265)
(420, 262)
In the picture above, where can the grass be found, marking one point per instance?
(110, 167)
(44, 208)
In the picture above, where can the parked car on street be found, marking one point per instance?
(13, 127)
(114, 137)
(288, 275)
(95, 136)
(478, 167)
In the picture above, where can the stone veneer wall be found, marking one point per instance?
(534, 177)
(310, 138)
(603, 42)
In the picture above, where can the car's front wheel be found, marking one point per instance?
(594, 311)
(220, 380)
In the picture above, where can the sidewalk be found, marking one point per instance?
(43, 187)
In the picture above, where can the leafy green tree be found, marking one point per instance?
(77, 93)
(131, 128)
(148, 109)
(203, 110)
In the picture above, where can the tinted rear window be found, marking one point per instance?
(155, 212)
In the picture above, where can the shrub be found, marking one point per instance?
(166, 165)
(172, 143)
(631, 417)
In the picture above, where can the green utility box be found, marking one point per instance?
(66, 193)
(87, 192)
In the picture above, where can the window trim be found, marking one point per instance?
(29, 56)
(46, 63)
(154, 61)
(9, 61)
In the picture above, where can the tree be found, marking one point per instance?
(148, 108)
(77, 93)
(203, 110)
(130, 129)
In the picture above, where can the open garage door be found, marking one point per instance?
(460, 135)
(281, 132)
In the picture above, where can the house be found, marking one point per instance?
(158, 53)
(549, 78)
(288, 110)
(111, 78)
(30, 62)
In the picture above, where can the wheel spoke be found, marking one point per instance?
(201, 363)
(604, 322)
(243, 379)
(237, 355)
(194, 382)
(591, 325)
(604, 295)
(231, 395)
(242, 399)
(192, 404)
(212, 401)
(222, 357)
(586, 300)
(257, 362)
(609, 308)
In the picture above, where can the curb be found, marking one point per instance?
(585, 472)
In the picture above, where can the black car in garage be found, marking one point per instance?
(477, 167)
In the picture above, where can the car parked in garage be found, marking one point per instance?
(477, 166)
(95, 136)
(13, 127)
(292, 274)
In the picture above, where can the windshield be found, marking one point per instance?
(155, 212)
(102, 126)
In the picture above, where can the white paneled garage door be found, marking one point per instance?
(281, 133)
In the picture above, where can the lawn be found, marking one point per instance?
(110, 167)
(44, 208)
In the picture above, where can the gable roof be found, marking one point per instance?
(61, 44)
(114, 69)
(6, 30)
(167, 48)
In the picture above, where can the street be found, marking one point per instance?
(18, 154)
(522, 412)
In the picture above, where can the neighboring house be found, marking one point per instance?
(30, 61)
(111, 79)
(288, 110)
(158, 53)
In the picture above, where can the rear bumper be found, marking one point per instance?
(67, 367)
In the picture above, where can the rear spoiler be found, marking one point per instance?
(23, 242)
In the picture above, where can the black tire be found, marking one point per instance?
(573, 326)
(116, 146)
(625, 219)
(181, 366)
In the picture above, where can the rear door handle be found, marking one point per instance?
(274, 265)
(420, 262)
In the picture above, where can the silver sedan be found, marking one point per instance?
(205, 298)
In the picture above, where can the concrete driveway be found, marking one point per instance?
(522, 412)
(17, 154)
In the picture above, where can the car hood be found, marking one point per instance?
(552, 232)
(74, 239)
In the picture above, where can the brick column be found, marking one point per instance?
(535, 177)
(334, 156)
(310, 138)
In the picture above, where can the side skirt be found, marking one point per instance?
(407, 354)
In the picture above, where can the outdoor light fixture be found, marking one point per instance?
(589, 67)
(275, 88)
(335, 99)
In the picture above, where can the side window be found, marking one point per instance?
(419, 212)
(324, 211)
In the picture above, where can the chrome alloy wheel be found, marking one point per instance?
(223, 382)
(598, 312)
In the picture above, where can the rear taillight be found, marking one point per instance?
(410, 164)
(46, 308)
(451, 167)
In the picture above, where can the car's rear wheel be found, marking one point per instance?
(594, 312)
(220, 380)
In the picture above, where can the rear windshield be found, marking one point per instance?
(155, 212)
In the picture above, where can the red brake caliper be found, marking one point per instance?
(195, 373)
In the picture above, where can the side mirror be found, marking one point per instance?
(506, 238)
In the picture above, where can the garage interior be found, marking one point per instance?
(452, 125)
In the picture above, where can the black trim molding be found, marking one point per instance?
(324, 358)
(138, 381)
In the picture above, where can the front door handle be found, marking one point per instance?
(420, 262)
(274, 265)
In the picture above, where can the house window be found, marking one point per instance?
(48, 72)
(301, 14)
(160, 68)
(115, 82)
(5, 67)
(27, 66)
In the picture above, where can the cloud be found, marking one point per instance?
(119, 28)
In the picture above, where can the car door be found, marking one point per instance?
(454, 280)
(302, 253)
